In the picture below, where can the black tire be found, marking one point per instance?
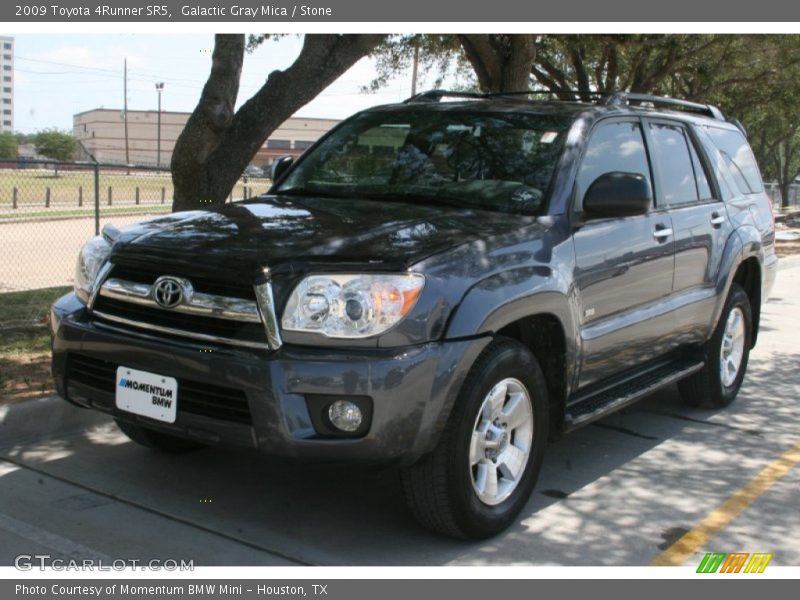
(706, 387)
(156, 440)
(439, 488)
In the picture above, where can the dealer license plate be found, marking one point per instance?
(147, 394)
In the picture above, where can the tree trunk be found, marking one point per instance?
(502, 63)
(217, 143)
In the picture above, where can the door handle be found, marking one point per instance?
(660, 234)
(717, 219)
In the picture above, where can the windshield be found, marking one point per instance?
(500, 162)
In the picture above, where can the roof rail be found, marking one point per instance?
(437, 95)
(623, 98)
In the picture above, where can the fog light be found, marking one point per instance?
(345, 416)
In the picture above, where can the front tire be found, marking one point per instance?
(155, 440)
(483, 470)
(717, 383)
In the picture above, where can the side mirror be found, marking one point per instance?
(617, 194)
(279, 167)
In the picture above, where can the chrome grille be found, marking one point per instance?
(126, 298)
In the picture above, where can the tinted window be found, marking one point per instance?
(501, 162)
(675, 171)
(703, 187)
(613, 147)
(738, 157)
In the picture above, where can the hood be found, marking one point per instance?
(290, 233)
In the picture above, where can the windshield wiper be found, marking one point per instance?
(306, 193)
(415, 198)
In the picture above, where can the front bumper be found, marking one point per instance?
(411, 390)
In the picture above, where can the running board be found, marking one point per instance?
(599, 402)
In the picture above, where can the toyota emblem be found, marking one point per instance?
(168, 292)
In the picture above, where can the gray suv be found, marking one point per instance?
(441, 285)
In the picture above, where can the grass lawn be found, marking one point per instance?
(67, 187)
(25, 346)
(32, 185)
(59, 213)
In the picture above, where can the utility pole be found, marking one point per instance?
(159, 89)
(414, 70)
(125, 108)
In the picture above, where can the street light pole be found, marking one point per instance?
(159, 89)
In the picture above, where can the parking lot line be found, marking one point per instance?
(702, 533)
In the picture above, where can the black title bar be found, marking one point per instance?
(334, 11)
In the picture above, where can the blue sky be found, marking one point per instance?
(60, 75)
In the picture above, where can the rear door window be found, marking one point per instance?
(670, 151)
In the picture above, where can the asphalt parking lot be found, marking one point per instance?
(619, 492)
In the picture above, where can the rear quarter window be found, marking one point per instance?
(738, 158)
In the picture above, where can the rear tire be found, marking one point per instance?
(483, 470)
(717, 383)
(155, 440)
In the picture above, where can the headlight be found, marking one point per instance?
(92, 256)
(351, 306)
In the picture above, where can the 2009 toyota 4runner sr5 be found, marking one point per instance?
(439, 285)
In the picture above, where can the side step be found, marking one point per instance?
(606, 398)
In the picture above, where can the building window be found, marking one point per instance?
(6, 100)
(6, 78)
(6, 90)
(6, 123)
(6, 111)
(6, 67)
(279, 144)
(6, 57)
(6, 45)
(300, 145)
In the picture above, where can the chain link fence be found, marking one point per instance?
(49, 209)
(774, 192)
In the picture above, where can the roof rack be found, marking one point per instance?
(605, 98)
(625, 98)
(437, 95)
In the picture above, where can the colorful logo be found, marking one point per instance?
(737, 562)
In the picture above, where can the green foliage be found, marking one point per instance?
(754, 78)
(8, 146)
(55, 144)
(24, 138)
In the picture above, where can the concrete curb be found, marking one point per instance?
(31, 420)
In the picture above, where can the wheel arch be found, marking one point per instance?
(748, 276)
(543, 334)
